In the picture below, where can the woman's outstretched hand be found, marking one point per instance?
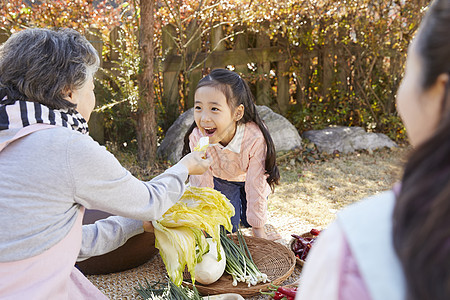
(148, 226)
(197, 162)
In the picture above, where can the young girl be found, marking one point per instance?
(242, 150)
(396, 245)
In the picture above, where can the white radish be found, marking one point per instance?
(210, 269)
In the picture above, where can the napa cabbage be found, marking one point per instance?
(180, 233)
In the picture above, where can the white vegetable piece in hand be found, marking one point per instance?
(210, 269)
(203, 144)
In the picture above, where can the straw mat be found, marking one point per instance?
(121, 285)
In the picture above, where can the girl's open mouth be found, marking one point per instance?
(210, 131)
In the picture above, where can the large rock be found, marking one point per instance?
(347, 139)
(284, 135)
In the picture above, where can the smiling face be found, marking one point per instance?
(213, 115)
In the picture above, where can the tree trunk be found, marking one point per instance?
(146, 120)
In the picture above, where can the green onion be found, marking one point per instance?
(240, 264)
(167, 291)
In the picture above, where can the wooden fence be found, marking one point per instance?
(193, 63)
(281, 81)
(290, 81)
(241, 54)
(263, 55)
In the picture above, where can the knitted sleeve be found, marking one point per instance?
(100, 182)
(256, 186)
(106, 235)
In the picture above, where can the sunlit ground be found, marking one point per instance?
(310, 194)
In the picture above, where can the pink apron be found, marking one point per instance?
(51, 274)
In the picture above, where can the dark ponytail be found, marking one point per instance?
(237, 92)
(186, 148)
(421, 228)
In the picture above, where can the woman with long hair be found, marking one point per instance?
(396, 245)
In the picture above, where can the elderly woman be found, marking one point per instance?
(51, 170)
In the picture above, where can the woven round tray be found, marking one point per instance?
(273, 259)
(299, 261)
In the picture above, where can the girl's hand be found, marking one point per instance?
(197, 162)
(259, 232)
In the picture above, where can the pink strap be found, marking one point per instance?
(25, 131)
(51, 274)
(351, 283)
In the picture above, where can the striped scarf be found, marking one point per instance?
(19, 114)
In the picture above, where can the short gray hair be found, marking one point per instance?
(43, 65)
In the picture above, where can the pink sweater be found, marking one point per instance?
(243, 159)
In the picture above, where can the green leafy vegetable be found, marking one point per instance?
(179, 233)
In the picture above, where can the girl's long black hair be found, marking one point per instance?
(421, 229)
(237, 92)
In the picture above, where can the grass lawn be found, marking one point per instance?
(311, 193)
